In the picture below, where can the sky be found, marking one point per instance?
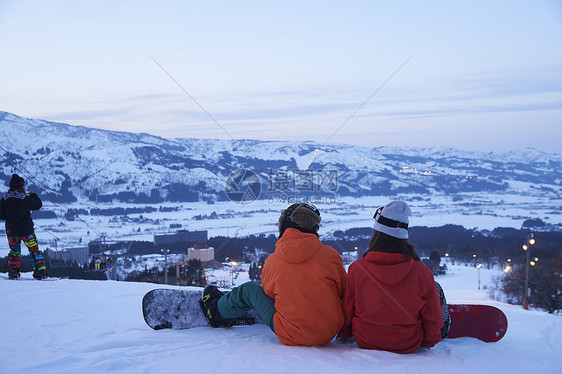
(479, 75)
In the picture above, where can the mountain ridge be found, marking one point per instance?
(71, 163)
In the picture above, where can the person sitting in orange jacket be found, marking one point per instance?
(303, 284)
(391, 301)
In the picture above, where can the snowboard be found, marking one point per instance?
(180, 309)
(483, 322)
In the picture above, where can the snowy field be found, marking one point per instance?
(73, 326)
(260, 217)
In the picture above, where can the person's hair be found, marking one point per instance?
(382, 242)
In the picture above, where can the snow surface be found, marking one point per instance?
(74, 326)
(260, 217)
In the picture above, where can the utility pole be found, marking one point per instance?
(165, 251)
(55, 241)
(531, 241)
(479, 266)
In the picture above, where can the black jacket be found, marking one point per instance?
(15, 209)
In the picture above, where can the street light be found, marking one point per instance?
(531, 240)
(479, 266)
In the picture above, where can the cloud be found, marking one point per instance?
(522, 82)
(461, 110)
(89, 115)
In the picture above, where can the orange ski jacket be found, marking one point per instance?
(306, 279)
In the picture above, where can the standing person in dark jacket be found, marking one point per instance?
(15, 209)
(391, 301)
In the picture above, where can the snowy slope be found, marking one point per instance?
(70, 326)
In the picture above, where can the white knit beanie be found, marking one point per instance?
(392, 219)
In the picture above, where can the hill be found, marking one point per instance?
(70, 326)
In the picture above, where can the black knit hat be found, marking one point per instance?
(16, 181)
(300, 216)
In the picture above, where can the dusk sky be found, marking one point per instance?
(478, 75)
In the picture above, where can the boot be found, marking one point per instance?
(39, 268)
(40, 274)
(211, 296)
(13, 267)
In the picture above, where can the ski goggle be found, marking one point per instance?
(289, 211)
(292, 208)
(387, 221)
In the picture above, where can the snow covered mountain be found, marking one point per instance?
(70, 163)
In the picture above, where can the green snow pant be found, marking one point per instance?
(244, 298)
